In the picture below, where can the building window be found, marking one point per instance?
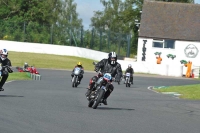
(169, 44)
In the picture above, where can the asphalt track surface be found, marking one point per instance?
(53, 106)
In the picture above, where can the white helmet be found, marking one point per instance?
(4, 54)
(129, 65)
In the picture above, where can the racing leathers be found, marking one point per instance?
(5, 71)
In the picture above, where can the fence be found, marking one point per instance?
(96, 39)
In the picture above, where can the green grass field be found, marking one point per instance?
(186, 91)
(68, 62)
(49, 61)
(18, 76)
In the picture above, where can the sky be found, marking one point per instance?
(86, 8)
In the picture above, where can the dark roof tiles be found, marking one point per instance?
(169, 20)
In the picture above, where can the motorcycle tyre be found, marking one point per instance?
(100, 95)
(91, 102)
(74, 82)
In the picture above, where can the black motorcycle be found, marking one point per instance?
(100, 88)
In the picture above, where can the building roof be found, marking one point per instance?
(170, 20)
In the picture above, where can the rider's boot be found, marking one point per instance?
(89, 90)
(1, 89)
(131, 80)
(87, 94)
(107, 94)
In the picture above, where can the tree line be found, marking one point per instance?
(57, 22)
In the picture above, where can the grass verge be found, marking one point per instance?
(45, 61)
(191, 92)
(18, 76)
(49, 61)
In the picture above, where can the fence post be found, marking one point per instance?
(92, 39)
(81, 36)
(119, 44)
(51, 34)
(100, 43)
(128, 46)
(108, 39)
(24, 31)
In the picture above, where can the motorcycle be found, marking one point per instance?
(102, 86)
(75, 79)
(30, 69)
(127, 79)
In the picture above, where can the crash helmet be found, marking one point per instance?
(25, 64)
(4, 54)
(79, 64)
(112, 58)
(129, 66)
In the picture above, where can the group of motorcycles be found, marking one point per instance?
(100, 87)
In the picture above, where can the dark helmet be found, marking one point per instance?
(112, 58)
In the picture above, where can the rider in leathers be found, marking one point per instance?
(4, 61)
(111, 66)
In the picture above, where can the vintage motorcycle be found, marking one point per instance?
(127, 79)
(101, 87)
(75, 79)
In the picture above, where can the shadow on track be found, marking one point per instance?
(107, 108)
(10, 96)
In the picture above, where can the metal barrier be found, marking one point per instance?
(35, 76)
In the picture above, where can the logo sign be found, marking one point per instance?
(191, 51)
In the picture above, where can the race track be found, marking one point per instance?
(53, 106)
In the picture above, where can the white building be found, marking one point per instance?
(169, 28)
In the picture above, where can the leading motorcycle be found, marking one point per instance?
(101, 87)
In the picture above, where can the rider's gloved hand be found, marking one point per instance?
(96, 69)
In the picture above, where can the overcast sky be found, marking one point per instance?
(86, 8)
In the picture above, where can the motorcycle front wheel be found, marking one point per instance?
(91, 102)
(74, 81)
(98, 98)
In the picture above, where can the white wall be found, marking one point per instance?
(52, 49)
(167, 67)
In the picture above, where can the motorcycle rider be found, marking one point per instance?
(131, 71)
(4, 61)
(79, 64)
(111, 66)
(25, 67)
